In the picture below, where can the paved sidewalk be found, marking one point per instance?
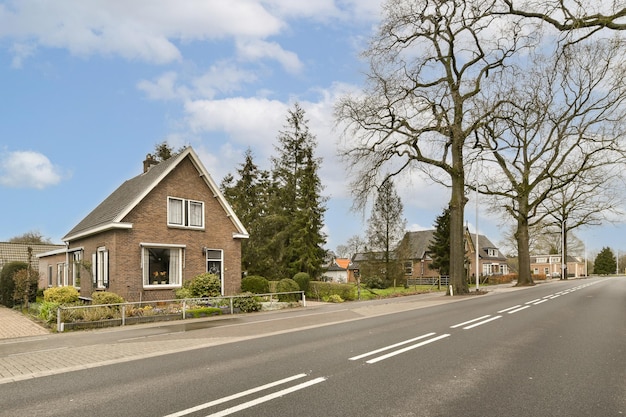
(14, 324)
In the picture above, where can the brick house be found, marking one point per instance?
(414, 254)
(490, 259)
(156, 231)
(550, 266)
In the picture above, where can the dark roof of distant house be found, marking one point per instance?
(418, 243)
(484, 244)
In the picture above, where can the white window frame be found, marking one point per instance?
(178, 269)
(208, 259)
(186, 211)
(100, 267)
(60, 278)
(77, 257)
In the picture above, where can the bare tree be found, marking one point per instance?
(589, 201)
(428, 63)
(572, 15)
(562, 124)
(386, 227)
(355, 244)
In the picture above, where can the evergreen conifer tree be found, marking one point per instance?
(605, 262)
(439, 248)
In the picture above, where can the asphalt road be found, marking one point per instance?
(549, 350)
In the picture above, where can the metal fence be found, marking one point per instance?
(442, 280)
(122, 314)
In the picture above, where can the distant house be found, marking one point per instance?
(156, 231)
(490, 260)
(414, 254)
(338, 271)
(19, 252)
(550, 266)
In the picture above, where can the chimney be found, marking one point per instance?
(149, 163)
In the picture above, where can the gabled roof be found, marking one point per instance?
(418, 243)
(109, 214)
(342, 262)
(483, 245)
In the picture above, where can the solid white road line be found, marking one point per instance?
(406, 349)
(373, 352)
(235, 396)
(268, 397)
(481, 323)
(510, 308)
(469, 321)
(518, 309)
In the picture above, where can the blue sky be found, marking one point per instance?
(89, 88)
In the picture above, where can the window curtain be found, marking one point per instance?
(176, 211)
(174, 269)
(195, 214)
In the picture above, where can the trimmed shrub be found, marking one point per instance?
(288, 285)
(7, 285)
(334, 298)
(303, 279)
(183, 293)
(61, 295)
(247, 303)
(203, 285)
(375, 283)
(319, 290)
(255, 284)
(203, 312)
(106, 297)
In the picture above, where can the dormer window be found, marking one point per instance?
(185, 213)
(492, 253)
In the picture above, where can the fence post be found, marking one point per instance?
(232, 311)
(184, 308)
(123, 314)
(303, 299)
(59, 324)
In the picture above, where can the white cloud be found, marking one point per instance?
(141, 29)
(221, 78)
(256, 49)
(163, 88)
(28, 169)
(246, 121)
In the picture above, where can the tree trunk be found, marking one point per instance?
(457, 235)
(564, 248)
(524, 276)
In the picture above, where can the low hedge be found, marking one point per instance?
(319, 290)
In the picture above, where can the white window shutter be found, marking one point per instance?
(94, 269)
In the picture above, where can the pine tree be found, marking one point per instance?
(386, 227)
(605, 262)
(439, 248)
(248, 197)
(298, 201)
